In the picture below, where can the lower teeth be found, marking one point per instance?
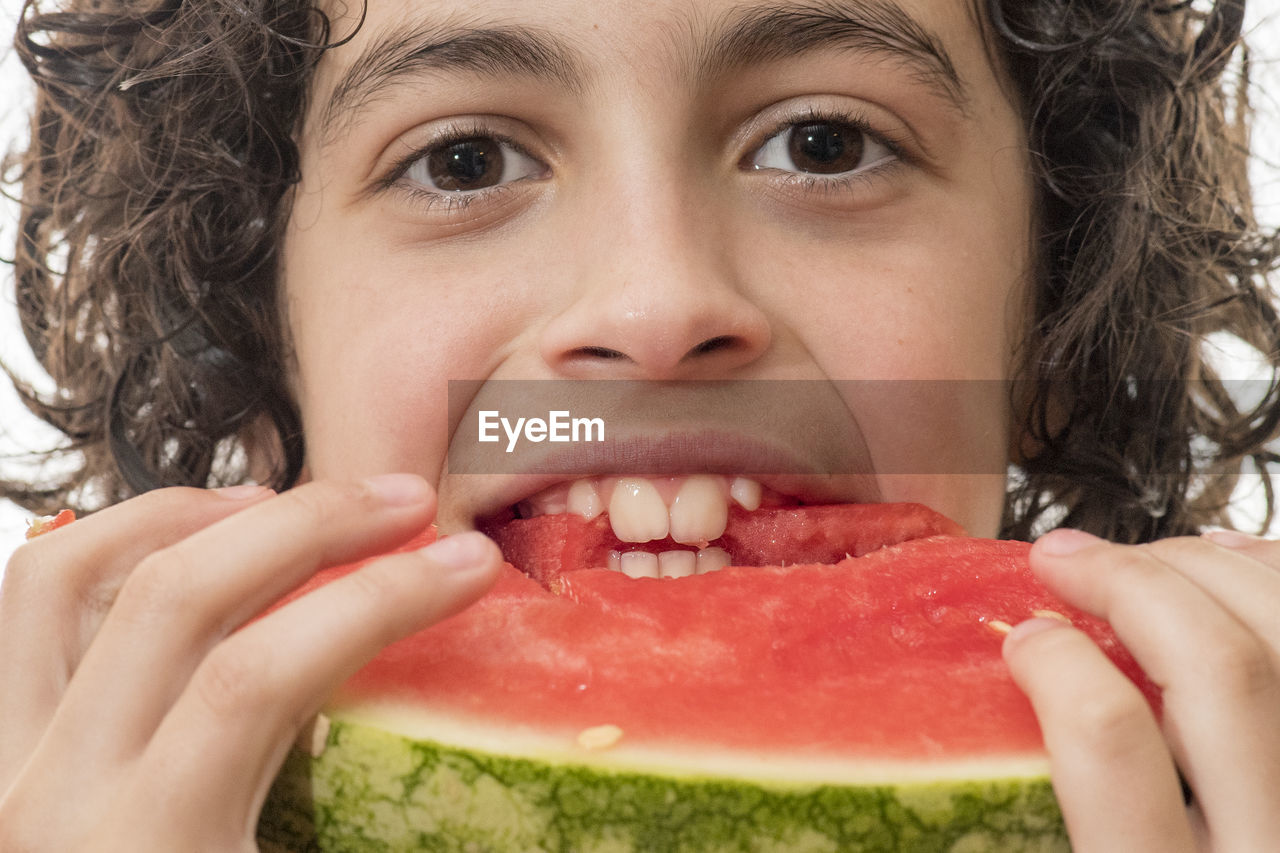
(677, 564)
(712, 560)
(668, 564)
(639, 564)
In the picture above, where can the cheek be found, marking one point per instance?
(376, 342)
(939, 442)
(923, 311)
(974, 501)
(937, 295)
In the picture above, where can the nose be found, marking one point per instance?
(657, 295)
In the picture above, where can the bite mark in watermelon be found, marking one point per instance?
(546, 546)
(855, 704)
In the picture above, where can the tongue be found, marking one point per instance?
(548, 546)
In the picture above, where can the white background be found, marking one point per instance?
(19, 431)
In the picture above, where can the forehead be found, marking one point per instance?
(585, 47)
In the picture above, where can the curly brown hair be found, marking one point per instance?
(157, 182)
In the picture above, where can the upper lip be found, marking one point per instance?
(798, 438)
(836, 473)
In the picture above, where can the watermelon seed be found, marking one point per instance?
(1051, 614)
(599, 737)
(999, 626)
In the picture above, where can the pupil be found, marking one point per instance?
(468, 164)
(825, 147)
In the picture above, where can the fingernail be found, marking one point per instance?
(1065, 541)
(398, 489)
(1032, 626)
(459, 552)
(241, 493)
(1231, 538)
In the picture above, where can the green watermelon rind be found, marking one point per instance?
(373, 790)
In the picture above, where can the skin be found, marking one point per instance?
(122, 663)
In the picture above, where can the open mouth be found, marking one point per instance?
(681, 526)
(668, 526)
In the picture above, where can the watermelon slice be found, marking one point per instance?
(43, 524)
(836, 703)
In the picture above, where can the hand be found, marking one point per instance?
(1202, 617)
(142, 708)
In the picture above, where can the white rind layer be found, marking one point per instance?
(775, 768)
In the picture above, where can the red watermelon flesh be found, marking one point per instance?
(888, 655)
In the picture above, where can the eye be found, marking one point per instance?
(471, 163)
(822, 147)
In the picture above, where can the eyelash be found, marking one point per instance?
(814, 182)
(455, 202)
(452, 202)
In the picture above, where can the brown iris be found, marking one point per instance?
(825, 147)
(466, 164)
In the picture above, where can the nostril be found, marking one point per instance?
(719, 342)
(599, 352)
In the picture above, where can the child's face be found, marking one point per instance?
(645, 178)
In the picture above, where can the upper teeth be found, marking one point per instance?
(692, 510)
(585, 500)
(637, 512)
(699, 511)
(746, 492)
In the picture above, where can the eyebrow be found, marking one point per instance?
(753, 36)
(771, 33)
(424, 47)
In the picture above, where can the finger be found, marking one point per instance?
(1238, 579)
(184, 599)
(66, 582)
(1112, 773)
(58, 587)
(232, 727)
(1220, 682)
(1265, 551)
